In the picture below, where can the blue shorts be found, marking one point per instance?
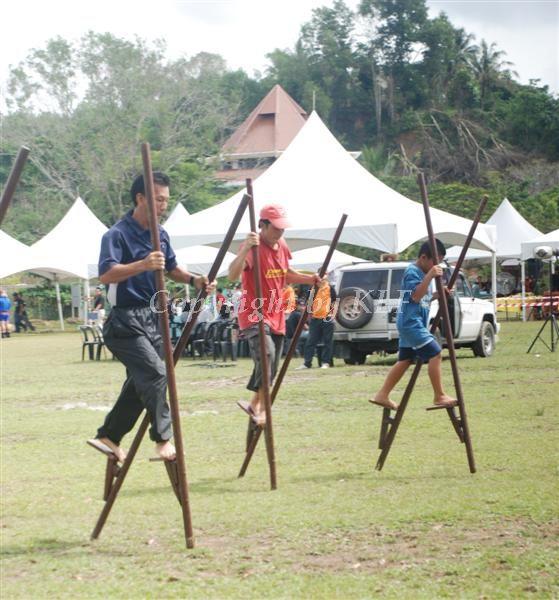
(4, 317)
(425, 353)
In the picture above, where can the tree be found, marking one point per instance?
(88, 144)
(395, 31)
(490, 69)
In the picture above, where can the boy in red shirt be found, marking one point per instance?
(275, 275)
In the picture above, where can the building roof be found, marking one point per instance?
(269, 128)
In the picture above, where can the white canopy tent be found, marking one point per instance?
(70, 249)
(14, 255)
(311, 259)
(512, 229)
(316, 180)
(197, 259)
(547, 239)
(528, 248)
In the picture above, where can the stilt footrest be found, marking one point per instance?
(172, 472)
(454, 419)
(441, 406)
(111, 470)
(386, 422)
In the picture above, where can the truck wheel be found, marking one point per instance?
(484, 346)
(356, 358)
(355, 308)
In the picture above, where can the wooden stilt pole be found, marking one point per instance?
(12, 181)
(177, 353)
(389, 433)
(443, 304)
(265, 383)
(162, 298)
(253, 440)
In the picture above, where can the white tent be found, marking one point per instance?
(512, 229)
(548, 239)
(311, 259)
(70, 249)
(197, 259)
(527, 249)
(316, 180)
(15, 255)
(177, 218)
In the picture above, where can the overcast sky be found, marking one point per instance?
(243, 31)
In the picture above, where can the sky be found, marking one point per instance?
(244, 31)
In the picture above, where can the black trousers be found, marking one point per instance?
(320, 330)
(133, 336)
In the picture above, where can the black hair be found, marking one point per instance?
(138, 186)
(426, 249)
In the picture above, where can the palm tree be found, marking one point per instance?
(489, 67)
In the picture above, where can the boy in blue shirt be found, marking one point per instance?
(416, 342)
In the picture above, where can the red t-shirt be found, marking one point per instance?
(273, 265)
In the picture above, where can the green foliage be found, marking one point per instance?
(414, 91)
(532, 121)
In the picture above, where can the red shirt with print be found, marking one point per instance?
(274, 263)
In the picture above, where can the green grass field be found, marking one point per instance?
(424, 527)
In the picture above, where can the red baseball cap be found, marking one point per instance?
(276, 215)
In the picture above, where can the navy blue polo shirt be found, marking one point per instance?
(127, 242)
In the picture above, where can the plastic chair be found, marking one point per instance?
(98, 337)
(197, 342)
(88, 341)
(228, 341)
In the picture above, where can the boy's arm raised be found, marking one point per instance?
(423, 287)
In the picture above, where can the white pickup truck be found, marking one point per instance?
(369, 294)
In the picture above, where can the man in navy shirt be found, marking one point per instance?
(127, 264)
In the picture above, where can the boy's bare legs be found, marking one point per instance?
(434, 369)
(396, 373)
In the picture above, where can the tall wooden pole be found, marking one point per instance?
(11, 183)
(391, 434)
(177, 353)
(264, 363)
(162, 298)
(291, 350)
(443, 304)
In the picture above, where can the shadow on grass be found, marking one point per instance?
(201, 486)
(42, 545)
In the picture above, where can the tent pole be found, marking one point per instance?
(494, 279)
(86, 292)
(523, 288)
(59, 302)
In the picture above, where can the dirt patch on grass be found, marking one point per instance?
(435, 547)
(224, 382)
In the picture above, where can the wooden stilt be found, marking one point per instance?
(12, 181)
(457, 422)
(252, 442)
(112, 469)
(265, 384)
(173, 471)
